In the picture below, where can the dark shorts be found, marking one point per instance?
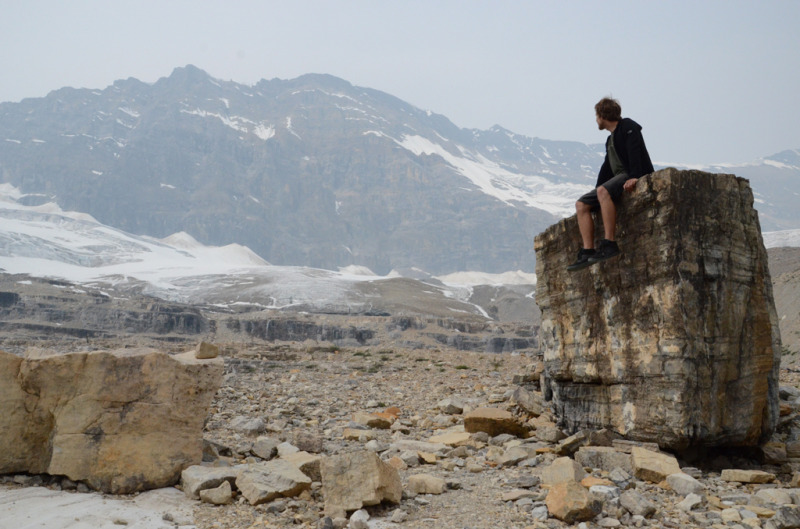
(614, 187)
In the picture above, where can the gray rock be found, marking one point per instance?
(196, 478)
(604, 458)
(685, 484)
(359, 519)
(451, 406)
(248, 426)
(690, 502)
(221, 495)
(265, 447)
(264, 482)
(787, 517)
(775, 496)
(636, 504)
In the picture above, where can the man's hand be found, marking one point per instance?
(630, 184)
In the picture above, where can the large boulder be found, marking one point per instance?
(675, 341)
(121, 421)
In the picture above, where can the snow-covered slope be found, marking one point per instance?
(778, 239)
(45, 241)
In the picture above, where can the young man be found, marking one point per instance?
(626, 161)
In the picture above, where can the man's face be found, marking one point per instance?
(601, 123)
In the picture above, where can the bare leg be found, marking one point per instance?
(608, 211)
(585, 224)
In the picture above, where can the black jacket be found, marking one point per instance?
(629, 144)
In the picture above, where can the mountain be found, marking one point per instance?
(311, 171)
(775, 181)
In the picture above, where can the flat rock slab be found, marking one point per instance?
(37, 507)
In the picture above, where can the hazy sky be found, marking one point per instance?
(711, 81)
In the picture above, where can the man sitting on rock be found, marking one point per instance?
(626, 161)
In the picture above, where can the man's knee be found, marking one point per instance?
(602, 194)
(582, 207)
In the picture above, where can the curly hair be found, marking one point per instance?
(608, 109)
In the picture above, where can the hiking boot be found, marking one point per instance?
(583, 259)
(606, 250)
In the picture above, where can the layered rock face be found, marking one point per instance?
(675, 341)
(121, 421)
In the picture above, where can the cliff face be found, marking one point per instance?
(675, 341)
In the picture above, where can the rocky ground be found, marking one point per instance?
(315, 397)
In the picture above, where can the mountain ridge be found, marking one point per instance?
(311, 171)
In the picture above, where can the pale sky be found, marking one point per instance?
(710, 81)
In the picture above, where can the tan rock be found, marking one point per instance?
(518, 494)
(562, 470)
(206, 351)
(426, 484)
(374, 420)
(493, 421)
(427, 458)
(622, 350)
(197, 478)
(358, 479)
(354, 434)
(308, 464)
(747, 476)
(264, 482)
(397, 463)
(570, 502)
(120, 421)
(653, 466)
(591, 481)
(453, 439)
(221, 495)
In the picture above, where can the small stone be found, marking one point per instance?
(205, 351)
(653, 466)
(222, 495)
(493, 421)
(562, 470)
(746, 476)
(517, 494)
(775, 496)
(570, 502)
(426, 484)
(454, 439)
(265, 447)
(398, 516)
(684, 484)
(730, 515)
(451, 406)
(690, 502)
(636, 504)
(359, 520)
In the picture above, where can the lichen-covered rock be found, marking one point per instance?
(120, 421)
(675, 341)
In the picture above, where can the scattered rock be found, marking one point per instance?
(221, 495)
(493, 421)
(352, 481)
(653, 466)
(747, 476)
(263, 482)
(426, 484)
(570, 502)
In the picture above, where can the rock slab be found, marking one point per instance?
(675, 341)
(121, 421)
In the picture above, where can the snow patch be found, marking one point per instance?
(778, 239)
